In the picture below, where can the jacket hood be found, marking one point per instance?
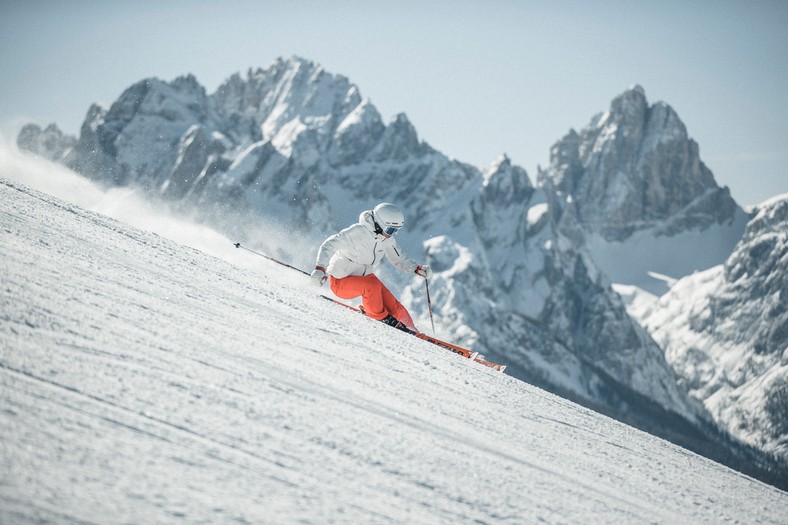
(366, 219)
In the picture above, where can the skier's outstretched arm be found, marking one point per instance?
(401, 261)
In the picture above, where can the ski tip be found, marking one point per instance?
(494, 366)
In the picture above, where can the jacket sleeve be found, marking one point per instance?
(329, 248)
(398, 258)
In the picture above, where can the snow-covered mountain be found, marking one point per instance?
(725, 332)
(634, 167)
(291, 143)
(524, 294)
(518, 272)
(144, 381)
(633, 183)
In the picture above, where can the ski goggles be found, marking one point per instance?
(388, 230)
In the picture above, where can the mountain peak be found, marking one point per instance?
(502, 164)
(187, 82)
(505, 184)
(403, 126)
(635, 168)
(637, 88)
(50, 143)
(502, 161)
(629, 108)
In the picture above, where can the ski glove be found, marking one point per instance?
(318, 276)
(424, 270)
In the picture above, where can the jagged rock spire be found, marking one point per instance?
(634, 167)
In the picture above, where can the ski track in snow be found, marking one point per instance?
(146, 382)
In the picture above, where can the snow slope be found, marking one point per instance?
(144, 381)
(645, 258)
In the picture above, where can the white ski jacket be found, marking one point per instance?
(358, 250)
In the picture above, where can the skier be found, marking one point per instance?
(348, 260)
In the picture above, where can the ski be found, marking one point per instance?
(469, 354)
(494, 366)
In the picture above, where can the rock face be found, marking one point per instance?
(49, 143)
(516, 275)
(634, 168)
(725, 332)
(273, 143)
(632, 189)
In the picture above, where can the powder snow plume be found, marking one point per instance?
(131, 206)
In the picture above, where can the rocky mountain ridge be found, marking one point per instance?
(725, 332)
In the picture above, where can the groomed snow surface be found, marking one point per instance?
(143, 381)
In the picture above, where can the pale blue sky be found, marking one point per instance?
(476, 78)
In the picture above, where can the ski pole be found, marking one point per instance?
(238, 245)
(429, 304)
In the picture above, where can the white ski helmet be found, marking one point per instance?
(388, 218)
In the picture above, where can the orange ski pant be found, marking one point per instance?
(378, 301)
